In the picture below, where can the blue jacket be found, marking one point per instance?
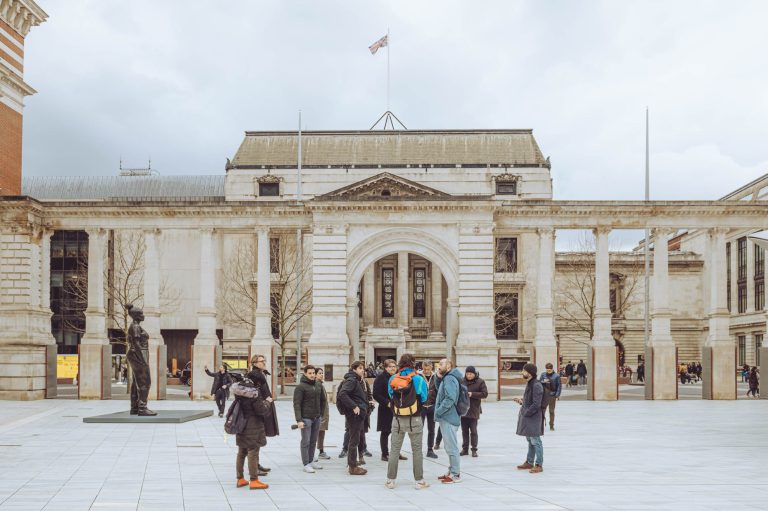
(447, 397)
(555, 385)
(419, 384)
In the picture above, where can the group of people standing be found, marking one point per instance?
(752, 377)
(576, 374)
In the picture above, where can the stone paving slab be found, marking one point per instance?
(625, 455)
(162, 417)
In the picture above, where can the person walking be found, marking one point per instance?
(250, 441)
(352, 401)
(384, 417)
(309, 403)
(428, 412)
(581, 370)
(448, 418)
(568, 373)
(258, 375)
(641, 372)
(220, 388)
(407, 392)
(754, 382)
(477, 392)
(550, 380)
(530, 421)
(322, 455)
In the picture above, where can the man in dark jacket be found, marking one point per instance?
(309, 402)
(384, 417)
(220, 388)
(428, 413)
(568, 373)
(258, 375)
(581, 370)
(550, 380)
(353, 401)
(530, 421)
(477, 392)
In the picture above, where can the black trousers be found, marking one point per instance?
(221, 399)
(363, 442)
(439, 437)
(356, 431)
(141, 379)
(468, 433)
(429, 417)
(384, 442)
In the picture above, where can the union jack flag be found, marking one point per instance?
(384, 41)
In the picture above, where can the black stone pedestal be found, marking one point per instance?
(162, 417)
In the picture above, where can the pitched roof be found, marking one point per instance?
(123, 187)
(412, 147)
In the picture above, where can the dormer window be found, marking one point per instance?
(269, 189)
(506, 187)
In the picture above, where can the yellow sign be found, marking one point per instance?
(236, 363)
(66, 366)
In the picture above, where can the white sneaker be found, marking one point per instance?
(390, 484)
(317, 466)
(308, 469)
(420, 485)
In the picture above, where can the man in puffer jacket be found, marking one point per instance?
(309, 403)
(477, 392)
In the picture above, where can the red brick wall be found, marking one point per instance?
(10, 151)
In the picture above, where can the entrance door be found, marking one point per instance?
(381, 354)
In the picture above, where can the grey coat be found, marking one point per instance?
(530, 422)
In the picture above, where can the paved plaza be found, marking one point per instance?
(626, 455)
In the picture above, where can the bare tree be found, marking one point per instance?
(290, 290)
(575, 305)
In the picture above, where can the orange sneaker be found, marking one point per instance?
(241, 482)
(258, 485)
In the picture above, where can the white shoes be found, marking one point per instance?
(420, 485)
(390, 484)
(308, 469)
(317, 466)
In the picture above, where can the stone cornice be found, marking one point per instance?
(22, 15)
(11, 79)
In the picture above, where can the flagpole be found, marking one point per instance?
(388, 43)
(647, 236)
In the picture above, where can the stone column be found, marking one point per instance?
(437, 299)
(602, 377)
(402, 290)
(451, 325)
(476, 343)
(545, 344)
(719, 351)
(206, 349)
(353, 328)
(262, 341)
(157, 349)
(369, 296)
(329, 343)
(95, 364)
(46, 313)
(660, 354)
(763, 349)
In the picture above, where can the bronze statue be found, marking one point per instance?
(138, 358)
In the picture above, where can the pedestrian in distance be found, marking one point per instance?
(530, 421)
(477, 392)
(384, 415)
(447, 416)
(428, 414)
(322, 455)
(754, 382)
(220, 388)
(352, 402)
(550, 380)
(581, 371)
(569, 373)
(407, 392)
(309, 404)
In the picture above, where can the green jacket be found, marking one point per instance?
(309, 399)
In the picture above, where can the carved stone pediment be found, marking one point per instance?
(385, 186)
(506, 178)
(268, 178)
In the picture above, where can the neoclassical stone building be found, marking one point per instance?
(440, 243)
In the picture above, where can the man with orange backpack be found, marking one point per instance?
(407, 394)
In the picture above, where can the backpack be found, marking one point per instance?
(404, 400)
(339, 404)
(248, 390)
(462, 403)
(235, 422)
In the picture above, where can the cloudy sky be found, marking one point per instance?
(181, 80)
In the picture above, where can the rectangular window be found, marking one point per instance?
(758, 343)
(728, 274)
(69, 288)
(759, 294)
(742, 349)
(269, 189)
(506, 305)
(759, 278)
(419, 290)
(274, 255)
(506, 255)
(741, 273)
(387, 293)
(506, 188)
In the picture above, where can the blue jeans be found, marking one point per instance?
(535, 451)
(451, 441)
(309, 439)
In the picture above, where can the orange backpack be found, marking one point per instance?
(404, 399)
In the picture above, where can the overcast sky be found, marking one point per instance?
(182, 80)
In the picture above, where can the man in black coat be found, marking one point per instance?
(428, 412)
(258, 375)
(477, 392)
(351, 399)
(581, 370)
(384, 418)
(530, 421)
(220, 388)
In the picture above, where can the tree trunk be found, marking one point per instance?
(282, 370)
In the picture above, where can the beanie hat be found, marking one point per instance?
(530, 369)
(471, 369)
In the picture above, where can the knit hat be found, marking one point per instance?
(530, 369)
(471, 369)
